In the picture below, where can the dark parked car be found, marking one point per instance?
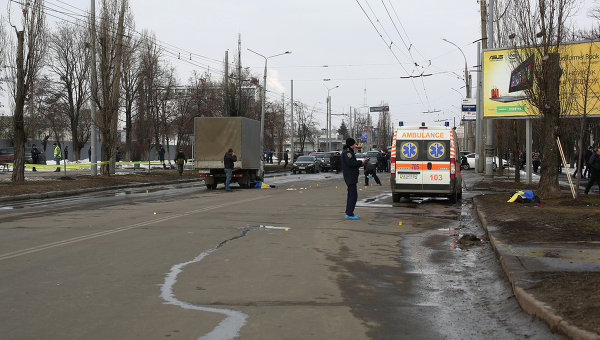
(306, 164)
(324, 158)
(7, 155)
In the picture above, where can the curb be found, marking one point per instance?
(52, 194)
(526, 300)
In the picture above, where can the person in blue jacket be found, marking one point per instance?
(350, 168)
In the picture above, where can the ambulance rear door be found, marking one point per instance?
(436, 164)
(409, 154)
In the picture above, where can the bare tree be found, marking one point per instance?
(4, 41)
(149, 82)
(52, 109)
(130, 81)
(109, 61)
(166, 94)
(384, 130)
(540, 25)
(30, 50)
(183, 119)
(70, 64)
(307, 125)
(586, 90)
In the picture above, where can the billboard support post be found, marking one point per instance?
(528, 151)
(479, 119)
(489, 149)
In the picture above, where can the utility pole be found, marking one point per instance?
(239, 77)
(328, 122)
(489, 137)
(93, 82)
(226, 94)
(479, 119)
(292, 120)
(480, 162)
(350, 122)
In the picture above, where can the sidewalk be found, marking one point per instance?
(550, 253)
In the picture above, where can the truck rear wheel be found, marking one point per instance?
(396, 197)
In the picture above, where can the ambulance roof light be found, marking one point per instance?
(400, 123)
(446, 123)
(423, 126)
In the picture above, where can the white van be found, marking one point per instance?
(425, 161)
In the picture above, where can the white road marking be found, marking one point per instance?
(51, 245)
(228, 328)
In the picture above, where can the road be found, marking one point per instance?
(182, 262)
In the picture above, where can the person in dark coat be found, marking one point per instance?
(380, 161)
(388, 159)
(371, 170)
(35, 155)
(228, 160)
(180, 161)
(350, 168)
(595, 168)
(286, 159)
(587, 158)
(337, 162)
(161, 156)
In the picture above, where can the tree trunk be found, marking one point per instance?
(128, 129)
(548, 185)
(18, 174)
(75, 139)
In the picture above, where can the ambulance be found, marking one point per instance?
(425, 162)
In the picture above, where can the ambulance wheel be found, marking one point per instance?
(396, 197)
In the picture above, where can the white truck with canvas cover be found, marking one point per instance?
(424, 163)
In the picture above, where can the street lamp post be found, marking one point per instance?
(468, 134)
(264, 93)
(329, 116)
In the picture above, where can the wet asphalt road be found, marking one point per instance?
(182, 262)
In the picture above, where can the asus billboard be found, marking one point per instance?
(507, 76)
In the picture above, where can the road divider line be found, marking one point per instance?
(51, 245)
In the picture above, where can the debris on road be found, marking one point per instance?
(469, 240)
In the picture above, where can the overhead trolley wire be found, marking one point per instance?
(396, 57)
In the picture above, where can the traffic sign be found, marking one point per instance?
(469, 109)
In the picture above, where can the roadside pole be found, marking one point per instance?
(489, 144)
(292, 121)
(528, 151)
(479, 120)
(94, 132)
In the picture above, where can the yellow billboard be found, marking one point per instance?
(507, 75)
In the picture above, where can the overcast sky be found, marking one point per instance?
(333, 33)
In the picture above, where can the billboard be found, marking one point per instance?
(505, 80)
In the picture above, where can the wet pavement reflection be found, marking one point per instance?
(456, 288)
